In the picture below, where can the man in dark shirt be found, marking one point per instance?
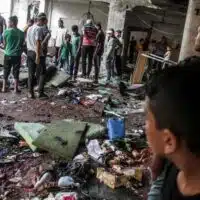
(99, 50)
(172, 127)
(132, 49)
(3, 27)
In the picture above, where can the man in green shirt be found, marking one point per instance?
(13, 43)
(65, 54)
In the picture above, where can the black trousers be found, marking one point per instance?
(87, 53)
(11, 62)
(118, 65)
(97, 65)
(37, 71)
(75, 65)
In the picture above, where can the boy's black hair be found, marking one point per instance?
(174, 101)
(98, 24)
(14, 19)
(68, 36)
(74, 28)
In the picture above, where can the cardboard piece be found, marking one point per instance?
(59, 79)
(110, 179)
(29, 131)
(61, 138)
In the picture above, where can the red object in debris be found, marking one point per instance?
(23, 144)
(88, 102)
(69, 198)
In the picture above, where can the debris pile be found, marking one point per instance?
(84, 136)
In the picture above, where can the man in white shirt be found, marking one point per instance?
(60, 34)
(36, 59)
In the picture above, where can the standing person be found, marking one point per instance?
(29, 24)
(140, 46)
(132, 50)
(88, 47)
(65, 54)
(100, 40)
(36, 59)
(161, 48)
(118, 53)
(60, 35)
(110, 53)
(3, 27)
(13, 42)
(76, 51)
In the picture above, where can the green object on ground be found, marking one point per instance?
(105, 91)
(29, 131)
(61, 138)
(59, 79)
(94, 130)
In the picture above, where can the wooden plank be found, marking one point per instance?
(140, 68)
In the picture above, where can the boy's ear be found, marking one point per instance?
(169, 142)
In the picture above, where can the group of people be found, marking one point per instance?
(158, 48)
(89, 44)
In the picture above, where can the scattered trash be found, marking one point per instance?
(111, 179)
(62, 92)
(66, 196)
(94, 97)
(46, 177)
(29, 131)
(67, 181)
(95, 151)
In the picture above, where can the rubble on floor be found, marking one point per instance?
(86, 142)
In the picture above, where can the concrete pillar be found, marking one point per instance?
(190, 31)
(116, 19)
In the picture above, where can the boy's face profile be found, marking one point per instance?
(161, 141)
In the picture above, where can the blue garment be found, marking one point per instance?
(157, 185)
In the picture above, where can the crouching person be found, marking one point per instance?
(13, 42)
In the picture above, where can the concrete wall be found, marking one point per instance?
(5, 8)
(72, 14)
(172, 27)
(20, 8)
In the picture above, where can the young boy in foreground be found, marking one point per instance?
(172, 127)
